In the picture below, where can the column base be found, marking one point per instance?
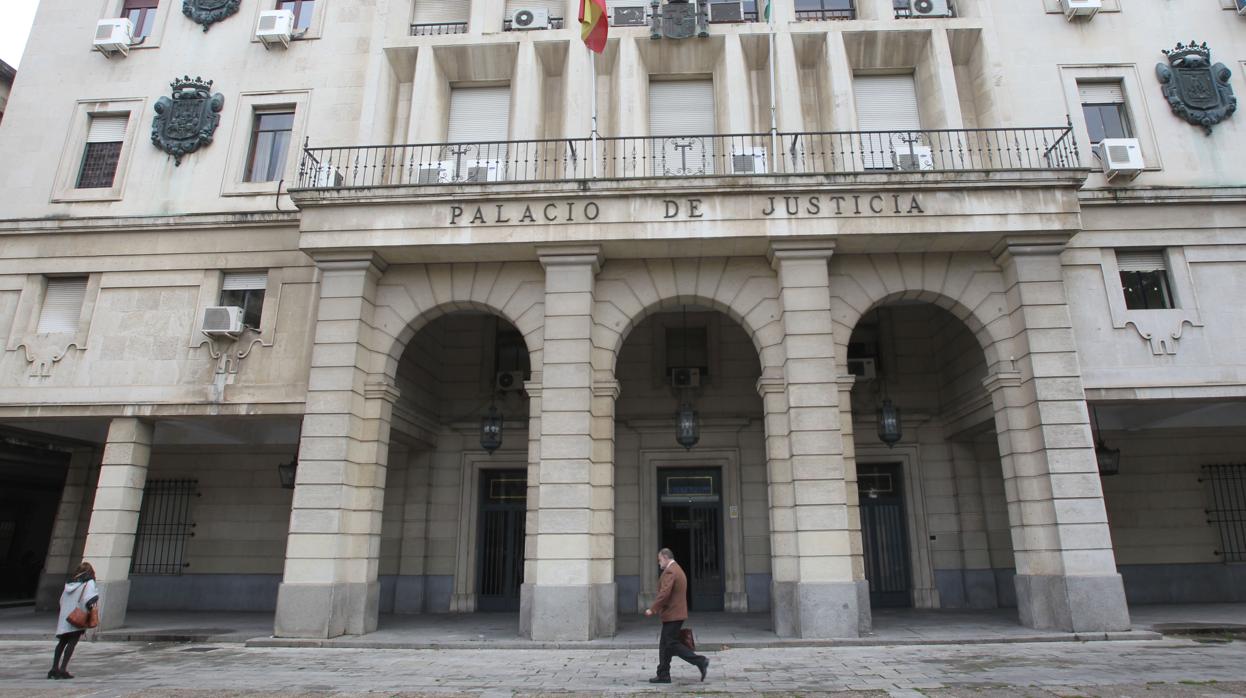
(48, 593)
(820, 610)
(568, 613)
(326, 610)
(1072, 603)
(114, 601)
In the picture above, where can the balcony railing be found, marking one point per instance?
(824, 14)
(644, 157)
(435, 28)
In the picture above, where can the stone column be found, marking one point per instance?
(817, 591)
(573, 595)
(60, 561)
(409, 588)
(330, 585)
(1066, 569)
(977, 572)
(114, 518)
(532, 514)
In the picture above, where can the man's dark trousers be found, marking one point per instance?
(670, 646)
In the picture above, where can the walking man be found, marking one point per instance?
(672, 609)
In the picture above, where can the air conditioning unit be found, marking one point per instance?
(726, 11)
(686, 378)
(508, 381)
(912, 157)
(480, 171)
(1120, 157)
(1080, 8)
(930, 8)
(114, 36)
(441, 172)
(530, 18)
(275, 27)
(627, 16)
(748, 160)
(328, 176)
(222, 321)
(863, 369)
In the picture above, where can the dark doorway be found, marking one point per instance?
(690, 503)
(500, 539)
(32, 477)
(884, 534)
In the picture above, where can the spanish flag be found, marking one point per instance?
(593, 24)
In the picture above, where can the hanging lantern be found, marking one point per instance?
(889, 424)
(287, 471)
(491, 430)
(687, 426)
(1109, 458)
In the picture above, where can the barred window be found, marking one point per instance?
(164, 524)
(1226, 494)
(105, 135)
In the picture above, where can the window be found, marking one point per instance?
(824, 9)
(1144, 279)
(886, 103)
(679, 109)
(105, 134)
(302, 10)
(62, 305)
(687, 347)
(270, 144)
(246, 290)
(142, 14)
(163, 526)
(510, 352)
(1103, 105)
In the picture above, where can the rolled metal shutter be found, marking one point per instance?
(1141, 260)
(62, 304)
(886, 103)
(681, 108)
(107, 129)
(1101, 92)
(479, 114)
(441, 11)
(245, 281)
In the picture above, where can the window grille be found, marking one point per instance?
(163, 526)
(1227, 495)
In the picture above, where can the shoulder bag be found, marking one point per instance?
(80, 618)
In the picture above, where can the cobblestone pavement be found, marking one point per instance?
(1117, 669)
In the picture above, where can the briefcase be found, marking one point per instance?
(686, 638)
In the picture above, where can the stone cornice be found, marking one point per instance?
(128, 224)
(1143, 196)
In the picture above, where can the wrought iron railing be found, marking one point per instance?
(1226, 507)
(642, 157)
(436, 28)
(554, 23)
(823, 14)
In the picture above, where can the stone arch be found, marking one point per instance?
(408, 297)
(744, 288)
(969, 287)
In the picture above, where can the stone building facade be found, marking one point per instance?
(925, 224)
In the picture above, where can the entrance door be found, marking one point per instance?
(690, 502)
(500, 539)
(883, 533)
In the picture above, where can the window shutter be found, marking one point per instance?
(62, 305)
(681, 108)
(479, 114)
(1101, 92)
(441, 11)
(107, 129)
(1140, 260)
(886, 103)
(245, 281)
(556, 8)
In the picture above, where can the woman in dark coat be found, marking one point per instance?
(80, 592)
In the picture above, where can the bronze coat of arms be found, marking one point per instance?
(209, 12)
(188, 120)
(1196, 90)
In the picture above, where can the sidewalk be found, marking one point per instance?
(714, 630)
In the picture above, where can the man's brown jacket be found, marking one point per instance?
(672, 601)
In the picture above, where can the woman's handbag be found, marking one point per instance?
(84, 619)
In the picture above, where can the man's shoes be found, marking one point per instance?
(704, 666)
(660, 679)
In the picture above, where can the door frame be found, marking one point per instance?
(924, 594)
(463, 600)
(735, 596)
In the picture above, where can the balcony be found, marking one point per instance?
(438, 28)
(822, 10)
(691, 157)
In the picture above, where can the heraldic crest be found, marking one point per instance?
(1196, 90)
(186, 122)
(209, 12)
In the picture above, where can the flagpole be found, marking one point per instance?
(774, 121)
(592, 74)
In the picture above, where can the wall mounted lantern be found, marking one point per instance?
(287, 471)
(687, 426)
(491, 430)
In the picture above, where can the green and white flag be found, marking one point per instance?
(766, 9)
